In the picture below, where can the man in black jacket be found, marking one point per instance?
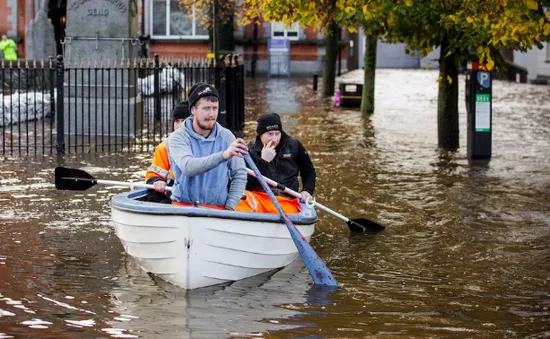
(281, 158)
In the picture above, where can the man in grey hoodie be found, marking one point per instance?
(206, 156)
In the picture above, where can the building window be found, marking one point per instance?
(170, 20)
(278, 30)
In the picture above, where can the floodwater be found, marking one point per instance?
(465, 253)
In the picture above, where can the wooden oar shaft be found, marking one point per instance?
(297, 195)
(130, 184)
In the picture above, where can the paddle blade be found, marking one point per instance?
(72, 179)
(364, 225)
(318, 271)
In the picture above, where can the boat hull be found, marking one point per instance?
(194, 247)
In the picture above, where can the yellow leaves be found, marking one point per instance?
(446, 77)
(486, 58)
(490, 63)
(503, 40)
(349, 9)
(408, 3)
(532, 4)
(390, 20)
(469, 20)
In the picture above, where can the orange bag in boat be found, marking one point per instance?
(260, 202)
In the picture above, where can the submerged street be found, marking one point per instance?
(465, 251)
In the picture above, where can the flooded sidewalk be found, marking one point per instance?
(464, 254)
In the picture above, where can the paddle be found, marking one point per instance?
(317, 269)
(355, 225)
(72, 179)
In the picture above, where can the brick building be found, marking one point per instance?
(175, 34)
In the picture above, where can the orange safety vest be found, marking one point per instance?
(160, 166)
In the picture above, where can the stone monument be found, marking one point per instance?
(100, 34)
(40, 37)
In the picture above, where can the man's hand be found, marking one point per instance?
(159, 186)
(268, 152)
(305, 197)
(237, 148)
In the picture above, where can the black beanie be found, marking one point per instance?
(194, 87)
(181, 111)
(269, 122)
(201, 90)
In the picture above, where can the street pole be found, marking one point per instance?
(214, 33)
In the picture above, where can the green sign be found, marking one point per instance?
(483, 113)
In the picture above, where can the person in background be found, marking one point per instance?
(160, 173)
(283, 159)
(9, 48)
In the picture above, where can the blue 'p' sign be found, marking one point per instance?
(483, 78)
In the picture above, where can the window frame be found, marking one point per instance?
(294, 28)
(193, 36)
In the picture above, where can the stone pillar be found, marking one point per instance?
(95, 28)
(100, 102)
(40, 37)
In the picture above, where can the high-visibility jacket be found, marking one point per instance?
(8, 46)
(160, 168)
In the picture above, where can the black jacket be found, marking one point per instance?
(291, 160)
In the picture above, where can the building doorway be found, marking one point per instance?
(57, 12)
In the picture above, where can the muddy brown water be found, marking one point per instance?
(465, 253)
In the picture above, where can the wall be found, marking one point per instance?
(543, 63)
(394, 56)
(528, 60)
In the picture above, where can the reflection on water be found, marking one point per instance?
(215, 311)
(465, 252)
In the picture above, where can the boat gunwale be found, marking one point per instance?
(126, 202)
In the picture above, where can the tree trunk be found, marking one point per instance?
(226, 36)
(254, 49)
(329, 67)
(447, 100)
(367, 99)
(215, 29)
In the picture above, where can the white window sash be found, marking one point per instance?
(280, 27)
(168, 36)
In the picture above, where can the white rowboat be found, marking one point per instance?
(194, 247)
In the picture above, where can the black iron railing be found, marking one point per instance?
(59, 106)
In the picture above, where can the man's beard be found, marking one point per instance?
(206, 126)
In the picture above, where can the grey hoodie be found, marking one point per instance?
(201, 173)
